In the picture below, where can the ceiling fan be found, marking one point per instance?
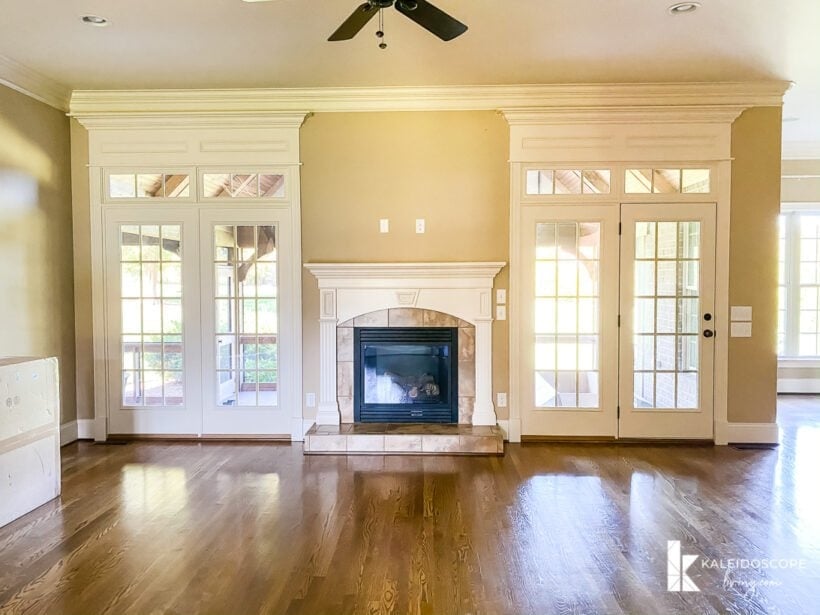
(422, 12)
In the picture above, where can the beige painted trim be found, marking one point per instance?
(86, 103)
(33, 84)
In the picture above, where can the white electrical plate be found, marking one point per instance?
(740, 329)
(741, 312)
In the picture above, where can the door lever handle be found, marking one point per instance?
(708, 333)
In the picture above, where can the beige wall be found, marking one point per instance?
(36, 277)
(82, 270)
(753, 263)
(448, 168)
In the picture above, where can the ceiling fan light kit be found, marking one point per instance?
(428, 16)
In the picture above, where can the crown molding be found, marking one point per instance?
(214, 120)
(801, 150)
(33, 84)
(136, 103)
(685, 114)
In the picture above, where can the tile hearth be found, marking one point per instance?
(404, 439)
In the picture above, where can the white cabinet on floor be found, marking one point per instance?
(29, 435)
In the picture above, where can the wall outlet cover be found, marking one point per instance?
(501, 312)
(310, 400)
(420, 225)
(384, 225)
(501, 296)
(501, 400)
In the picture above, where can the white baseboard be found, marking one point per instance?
(747, 433)
(504, 424)
(81, 429)
(68, 433)
(85, 429)
(299, 427)
(798, 385)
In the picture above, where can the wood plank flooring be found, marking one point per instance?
(217, 528)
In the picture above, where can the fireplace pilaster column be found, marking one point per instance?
(328, 413)
(484, 411)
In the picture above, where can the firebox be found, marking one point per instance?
(404, 375)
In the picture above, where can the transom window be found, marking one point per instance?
(243, 185)
(149, 185)
(798, 331)
(568, 181)
(667, 181)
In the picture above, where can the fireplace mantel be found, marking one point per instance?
(348, 290)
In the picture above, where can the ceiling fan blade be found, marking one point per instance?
(354, 23)
(432, 19)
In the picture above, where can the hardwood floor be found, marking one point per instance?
(549, 528)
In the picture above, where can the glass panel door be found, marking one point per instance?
(244, 332)
(570, 257)
(246, 317)
(667, 327)
(153, 323)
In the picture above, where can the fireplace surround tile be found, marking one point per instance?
(344, 344)
(466, 405)
(466, 344)
(344, 374)
(346, 409)
(466, 378)
(439, 319)
(373, 319)
(405, 317)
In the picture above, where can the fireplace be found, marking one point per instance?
(405, 374)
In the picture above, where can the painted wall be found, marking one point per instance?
(448, 168)
(36, 277)
(84, 333)
(753, 263)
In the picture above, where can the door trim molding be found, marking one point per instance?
(149, 141)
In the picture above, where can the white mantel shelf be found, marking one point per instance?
(462, 274)
(348, 290)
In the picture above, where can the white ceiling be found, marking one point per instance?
(282, 43)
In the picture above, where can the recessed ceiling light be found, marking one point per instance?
(684, 7)
(95, 20)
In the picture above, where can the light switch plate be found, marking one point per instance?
(310, 400)
(501, 400)
(384, 225)
(501, 296)
(501, 312)
(741, 312)
(420, 225)
(741, 329)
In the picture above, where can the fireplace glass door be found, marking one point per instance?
(406, 375)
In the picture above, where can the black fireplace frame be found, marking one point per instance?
(442, 412)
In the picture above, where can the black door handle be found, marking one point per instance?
(708, 333)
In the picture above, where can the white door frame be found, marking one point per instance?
(715, 158)
(239, 141)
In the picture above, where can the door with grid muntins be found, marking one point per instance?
(667, 321)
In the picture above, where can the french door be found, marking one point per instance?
(617, 320)
(667, 326)
(197, 338)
